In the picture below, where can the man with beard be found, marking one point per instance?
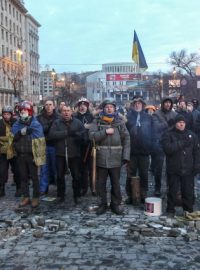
(139, 125)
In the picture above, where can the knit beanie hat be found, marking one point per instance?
(178, 118)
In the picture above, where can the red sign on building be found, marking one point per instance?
(123, 77)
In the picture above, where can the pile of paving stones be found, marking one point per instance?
(165, 227)
(135, 226)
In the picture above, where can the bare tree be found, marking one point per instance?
(14, 73)
(185, 62)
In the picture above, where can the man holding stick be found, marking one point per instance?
(112, 151)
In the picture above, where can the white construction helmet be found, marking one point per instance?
(83, 101)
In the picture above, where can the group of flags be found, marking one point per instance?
(137, 54)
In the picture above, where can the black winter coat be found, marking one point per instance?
(68, 134)
(85, 118)
(141, 137)
(182, 151)
(46, 121)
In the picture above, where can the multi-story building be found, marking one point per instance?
(32, 90)
(118, 81)
(19, 74)
(46, 84)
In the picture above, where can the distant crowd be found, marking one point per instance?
(93, 143)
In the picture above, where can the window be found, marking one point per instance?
(6, 21)
(7, 36)
(10, 9)
(2, 34)
(1, 18)
(13, 12)
(6, 6)
(10, 39)
(3, 50)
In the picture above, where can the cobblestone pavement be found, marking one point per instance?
(65, 236)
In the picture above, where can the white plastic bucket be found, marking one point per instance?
(153, 206)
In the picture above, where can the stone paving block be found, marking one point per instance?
(73, 255)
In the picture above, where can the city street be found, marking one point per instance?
(64, 236)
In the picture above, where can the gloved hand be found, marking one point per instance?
(23, 131)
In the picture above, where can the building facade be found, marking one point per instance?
(46, 84)
(32, 88)
(19, 69)
(117, 81)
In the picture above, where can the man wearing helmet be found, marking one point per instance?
(84, 115)
(6, 151)
(113, 149)
(29, 144)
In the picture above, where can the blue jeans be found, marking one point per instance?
(48, 170)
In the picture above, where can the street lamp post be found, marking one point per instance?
(53, 74)
(161, 85)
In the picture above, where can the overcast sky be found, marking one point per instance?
(75, 33)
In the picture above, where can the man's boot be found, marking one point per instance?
(35, 202)
(116, 209)
(2, 190)
(102, 209)
(24, 202)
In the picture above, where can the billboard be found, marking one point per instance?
(123, 77)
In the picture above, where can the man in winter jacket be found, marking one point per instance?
(48, 170)
(163, 120)
(68, 133)
(84, 115)
(182, 151)
(113, 149)
(7, 156)
(139, 125)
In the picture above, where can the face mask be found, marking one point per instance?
(24, 116)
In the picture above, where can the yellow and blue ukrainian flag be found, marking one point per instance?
(137, 53)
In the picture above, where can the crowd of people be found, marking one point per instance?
(93, 144)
